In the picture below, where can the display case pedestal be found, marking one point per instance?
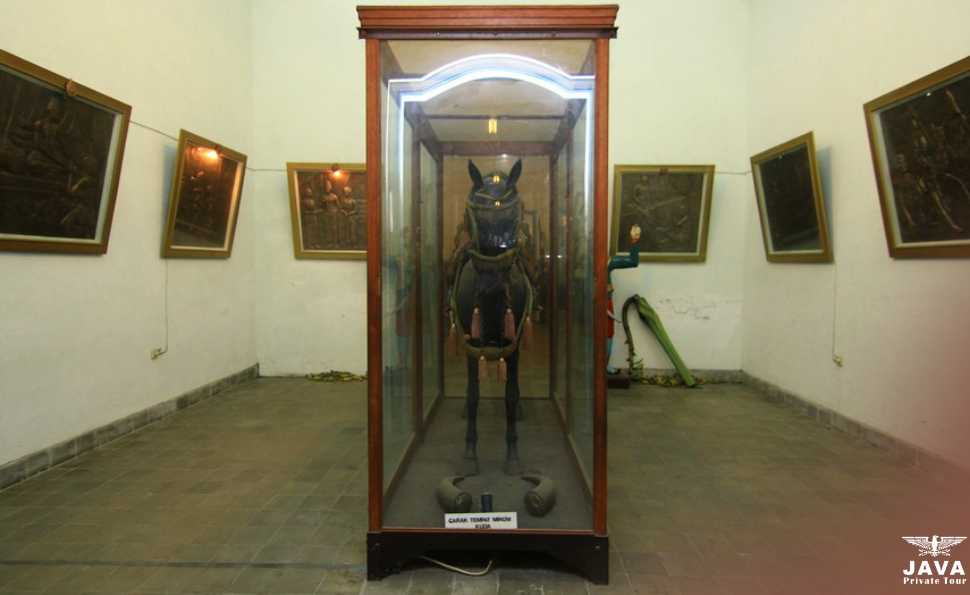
(619, 380)
(388, 550)
(487, 202)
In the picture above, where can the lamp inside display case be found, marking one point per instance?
(486, 281)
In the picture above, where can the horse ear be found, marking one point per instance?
(475, 175)
(514, 173)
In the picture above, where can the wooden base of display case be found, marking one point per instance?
(387, 551)
(619, 380)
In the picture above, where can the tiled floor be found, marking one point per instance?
(262, 490)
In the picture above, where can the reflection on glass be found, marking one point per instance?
(432, 306)
(398, 301)
(559, 317)
(487, 150)
(789, 202)
(580, 282)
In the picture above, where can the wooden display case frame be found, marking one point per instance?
(389, 548)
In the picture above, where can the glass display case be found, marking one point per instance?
(487, 215)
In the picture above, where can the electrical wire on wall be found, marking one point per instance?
(176, 139)
(836, 357)
(155, 130)
(160, 351)
(832, 216)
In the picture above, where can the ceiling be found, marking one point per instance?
(524, 112)
(508, 130)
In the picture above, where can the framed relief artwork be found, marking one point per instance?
(793, 221)
(919, 136)
(204, 203)
(672, 206)
(61, 148)
(328, 206)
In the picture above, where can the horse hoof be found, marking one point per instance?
(451, 498)
(540, 499)
(469, 467)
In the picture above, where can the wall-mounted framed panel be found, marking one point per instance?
(670, 203)
(794, 223)
(61, 151)
(204, 204)
(328, 209)
(919, 136)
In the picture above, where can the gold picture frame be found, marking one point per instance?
(919, 137)
(672, 206)
(328, 208)
(61, 152)
(794, 224)
(204, 201)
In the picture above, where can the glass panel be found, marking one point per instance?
(432, 307)
(508, 125)
(579, 271)
(559, 317)
(398, 299)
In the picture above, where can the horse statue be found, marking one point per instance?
(491, 300)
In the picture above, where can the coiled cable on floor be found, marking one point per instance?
(446, 566)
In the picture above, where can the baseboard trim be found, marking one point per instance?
(709, 376)
(37, 462)
(908, 453)
(34, 463)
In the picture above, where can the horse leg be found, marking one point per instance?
(512, 466)
(470, 462)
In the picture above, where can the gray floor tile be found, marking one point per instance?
(711, 491)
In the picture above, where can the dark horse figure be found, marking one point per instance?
(491, 299)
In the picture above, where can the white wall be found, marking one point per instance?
(700, 81)
(77, 330)
(308, 67)
(677, 92)
(677, 72)
(898, 324)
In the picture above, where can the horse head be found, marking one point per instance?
(496, 188)
(494, 204)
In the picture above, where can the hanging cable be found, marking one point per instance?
(836, 357)
(175, 138)
(159, 352)
(447, 566)
(155, 130)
